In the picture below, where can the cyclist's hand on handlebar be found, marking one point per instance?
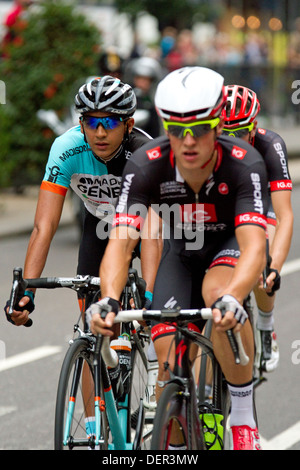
(271, 283)
(102, 326)
(270, 280)
(228, 314)
(100, 316)
(20, 317)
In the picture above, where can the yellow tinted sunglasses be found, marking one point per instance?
(239, 131)
(196, 129)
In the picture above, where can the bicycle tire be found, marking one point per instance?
(175, 407)
(201, 388)
(78, 361)
(141, 420)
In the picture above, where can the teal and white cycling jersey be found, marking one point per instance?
(71, 163)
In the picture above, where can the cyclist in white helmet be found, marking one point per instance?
(217, 189)
(240, 120)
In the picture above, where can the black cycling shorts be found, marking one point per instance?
(180, 276)
(91, 248)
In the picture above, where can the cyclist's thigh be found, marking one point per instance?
(220, 270)
(176, 285)
(91, 251)
(173, 284)
(91, 248)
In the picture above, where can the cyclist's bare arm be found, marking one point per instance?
(281, 242)
(114, 271)
(252, 244)
(151, 248)
(47, 217)
(48, 213)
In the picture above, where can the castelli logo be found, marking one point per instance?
(154, 153)
(238, 152)
(223, 188)
(261, 131)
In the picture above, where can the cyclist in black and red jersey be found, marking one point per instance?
(240, 120)
(208, 189)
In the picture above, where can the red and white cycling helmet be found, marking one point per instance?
(241, 108)
(190, 93)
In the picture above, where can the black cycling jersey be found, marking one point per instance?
(136, 139)
(235, 194)
(273, 150)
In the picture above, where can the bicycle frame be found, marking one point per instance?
(185, 371)
(182, 374)
(117, 419)
(118, 414)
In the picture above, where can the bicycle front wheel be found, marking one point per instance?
(175, 422)
(75, 403)
(141, 426)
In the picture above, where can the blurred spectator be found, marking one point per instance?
(110, 63)
(186, 47)
(144, 73)
(14, 23)
(168, 40)
(256, 49)
(183, 52)
(294, 47)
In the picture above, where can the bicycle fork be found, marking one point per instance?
(71, 404)
(183, 374)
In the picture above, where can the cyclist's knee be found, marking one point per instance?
(215, 282)
(162, 336)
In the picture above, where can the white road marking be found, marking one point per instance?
(290, 436)
(290, 267)
(5, 410)
(283, 441)
(28, 356)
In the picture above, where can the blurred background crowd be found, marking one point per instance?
(48, 48)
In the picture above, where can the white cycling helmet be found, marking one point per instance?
(190, 93)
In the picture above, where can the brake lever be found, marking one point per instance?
(17, 292)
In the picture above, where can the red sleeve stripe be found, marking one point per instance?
(251, 218)
(134, 221)
(226, 261)
(271, 221)
(281, 185)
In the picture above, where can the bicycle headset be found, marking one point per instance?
(110, 95)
